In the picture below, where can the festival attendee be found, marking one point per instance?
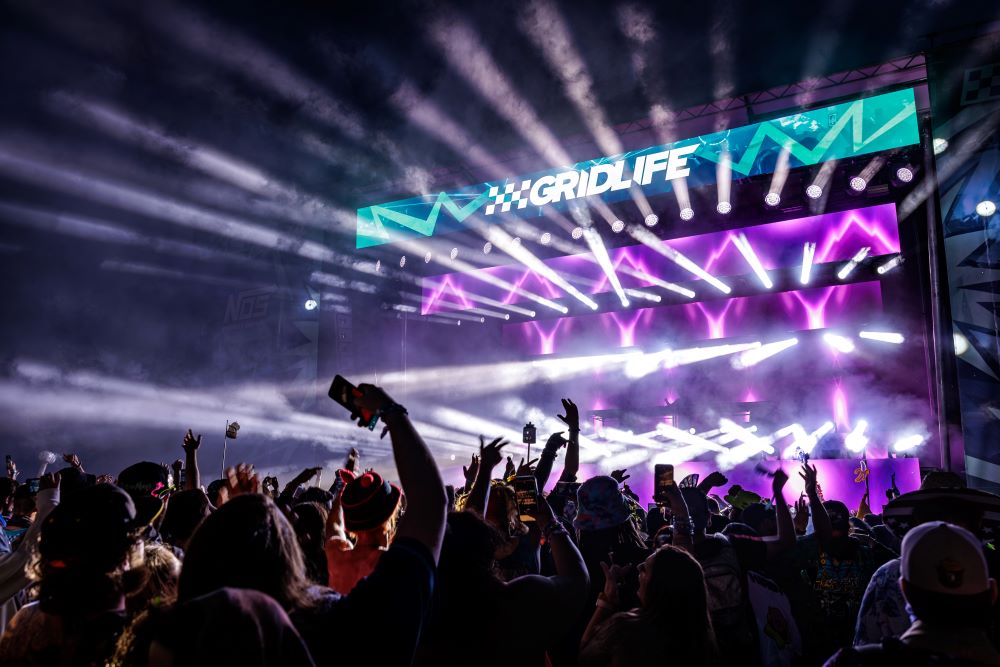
(22, 515)
(248, 543)
(309, 520)
(367, 510)
(185, 510)
(883, 612)
(944, 579)
(154, 583)
(473, 599)
(83, 551)
(670, 625)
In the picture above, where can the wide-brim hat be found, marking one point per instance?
(910, 509)
(369, 501)
(600, 504)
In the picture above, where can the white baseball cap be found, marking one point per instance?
(939, 557)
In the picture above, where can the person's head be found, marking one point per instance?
(840, 517)
(185, 510)
(155, 581)
(371, 505)
(501, 511)
(246, 543)
(7, 489)
(215, 493)
(83, 549)
(600, 505)
(314, 494)
(24, 501)
(944, 576)
(140, 481)
(697, 505)
(469, 549)
(942, 479)
(762, 518)
(310, 525)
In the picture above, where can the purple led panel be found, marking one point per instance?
(815, 308)
(838, 236)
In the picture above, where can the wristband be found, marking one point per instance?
(393, 408)
(554, 527)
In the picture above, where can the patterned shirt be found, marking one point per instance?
(884, 612)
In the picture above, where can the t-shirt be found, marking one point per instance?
(347, 564)
(34, 638)
(381, 619)
(883, 608)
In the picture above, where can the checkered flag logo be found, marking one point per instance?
(506, 199)
(981, 84)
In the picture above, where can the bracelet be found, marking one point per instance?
(393, 408)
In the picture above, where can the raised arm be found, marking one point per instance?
(711, 481)
(683, 528)
(13, 575)
(548, 457)
(489, 458)
(786, 528)
(190, 445)
(821, 520)
(572, 420)
(426, 500)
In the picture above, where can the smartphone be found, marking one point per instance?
(663, 474)
(526, 492)
(32, 485)
(344, 392)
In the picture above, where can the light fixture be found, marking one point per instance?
(961, 344)
(402, 261)
(904, 174)
(908, 442)
(687, 213)
(545, 238)
(986, 208)
(617, 226)
(814, 191)
(487, 248)
(859, 257)
(724, 208)
(808, 252)
(577, 232)
(772, 199)
(890, 265)
(427, 257)
(378, 265)
(883, 336)
(454, 253)
(516, 241)
(743, 245)
(839, 343)
(857, 184)
(311, 304)
(856, 440)
(651, 220)
(940, 145)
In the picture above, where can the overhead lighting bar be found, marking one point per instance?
(743, 245)
(808, 252)
(851, 265)
(883, 336)
(650, 239)
(890, 265)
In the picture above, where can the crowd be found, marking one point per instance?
(147, 569)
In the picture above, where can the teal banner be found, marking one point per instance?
(843, 130)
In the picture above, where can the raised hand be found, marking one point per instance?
(620, 476)
(489, 454)
(778, 482)
(808, 474)
(307, 475)
(471, 470)
(73, 460)
(555, 442)
(11, 468)
(50, 481)
(191, 442)
(526, 468)
(613, 575)
(270, 486)
(714, 479)
(353, 461)
(801, 514)
(241, 480)
(572, 416)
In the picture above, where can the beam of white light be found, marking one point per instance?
(806, 442)
(780, 174)
(821, 183)
(745, 435)
(868, 173)
(650, 240)
(473, 272)
(478, 298)
(627, 459)
(839, 343)
(645, 296)
(908, 442)
(447, 314)
(755, 356)
(652, 280)
(692, 355)
(808, 252)
(883, 336)
(890, 265)
(600, 252)
(856, 440)
(743, 245)
(850, 266)
(724, 181)
(451, 305)
(628, 438)
(504, 241)
(675, 434)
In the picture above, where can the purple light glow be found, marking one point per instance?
(839, 305)
(840, 415)
(778, 245)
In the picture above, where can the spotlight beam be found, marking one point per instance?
(743, 245)
(755, 356)
(504, 241)
(851, 265)
(883, 336)
(808, 253)
(650, 240)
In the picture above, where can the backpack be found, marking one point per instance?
(724, 584)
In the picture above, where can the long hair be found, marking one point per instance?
(246, 543)
(673, 619)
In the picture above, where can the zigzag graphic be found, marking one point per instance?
(370, 229)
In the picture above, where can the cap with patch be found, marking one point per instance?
(938, 557)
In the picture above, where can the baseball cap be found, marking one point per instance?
(939, 557)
